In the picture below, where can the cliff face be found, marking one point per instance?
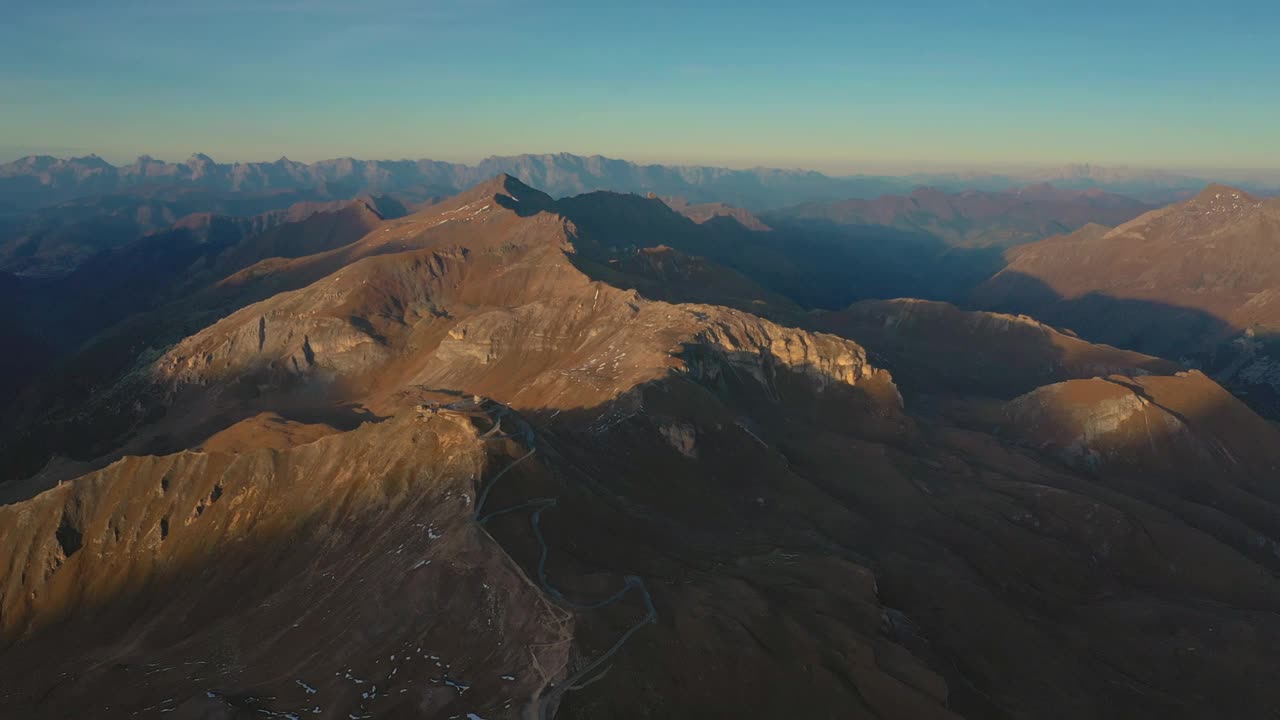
(756, 346)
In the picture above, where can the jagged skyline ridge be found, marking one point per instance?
(43, 179)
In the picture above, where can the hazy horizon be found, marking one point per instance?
(825, 86)
(1269, 174)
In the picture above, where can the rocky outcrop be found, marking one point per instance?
(757, 347)
(1182, 424)
(1088, 421)
(683, 437)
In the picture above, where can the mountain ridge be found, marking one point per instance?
(35, 181)
(1194, 280)
(447, 469)
(974, 218)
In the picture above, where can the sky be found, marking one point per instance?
(835, 86)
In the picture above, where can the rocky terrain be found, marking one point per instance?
(1195, 281)
(138, 280)
(517, 457)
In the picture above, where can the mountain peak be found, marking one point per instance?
(35, 161)
(384, 206)
(507, 191)
(507, 185)
(1216, 192)
(91, 159)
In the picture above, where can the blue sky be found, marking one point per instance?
(838, 86)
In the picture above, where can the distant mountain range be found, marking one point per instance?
(37, 181)
(973, 218)
(53, 240)
(41, 180)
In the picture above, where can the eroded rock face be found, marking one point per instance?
(344, 576)
(683, 437)
(752, 345)
(1085, 419)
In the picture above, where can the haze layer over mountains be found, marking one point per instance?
(41, 180)
(571, 437)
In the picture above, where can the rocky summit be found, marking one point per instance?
(507, 456)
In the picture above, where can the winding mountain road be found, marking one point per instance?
(549, 699)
